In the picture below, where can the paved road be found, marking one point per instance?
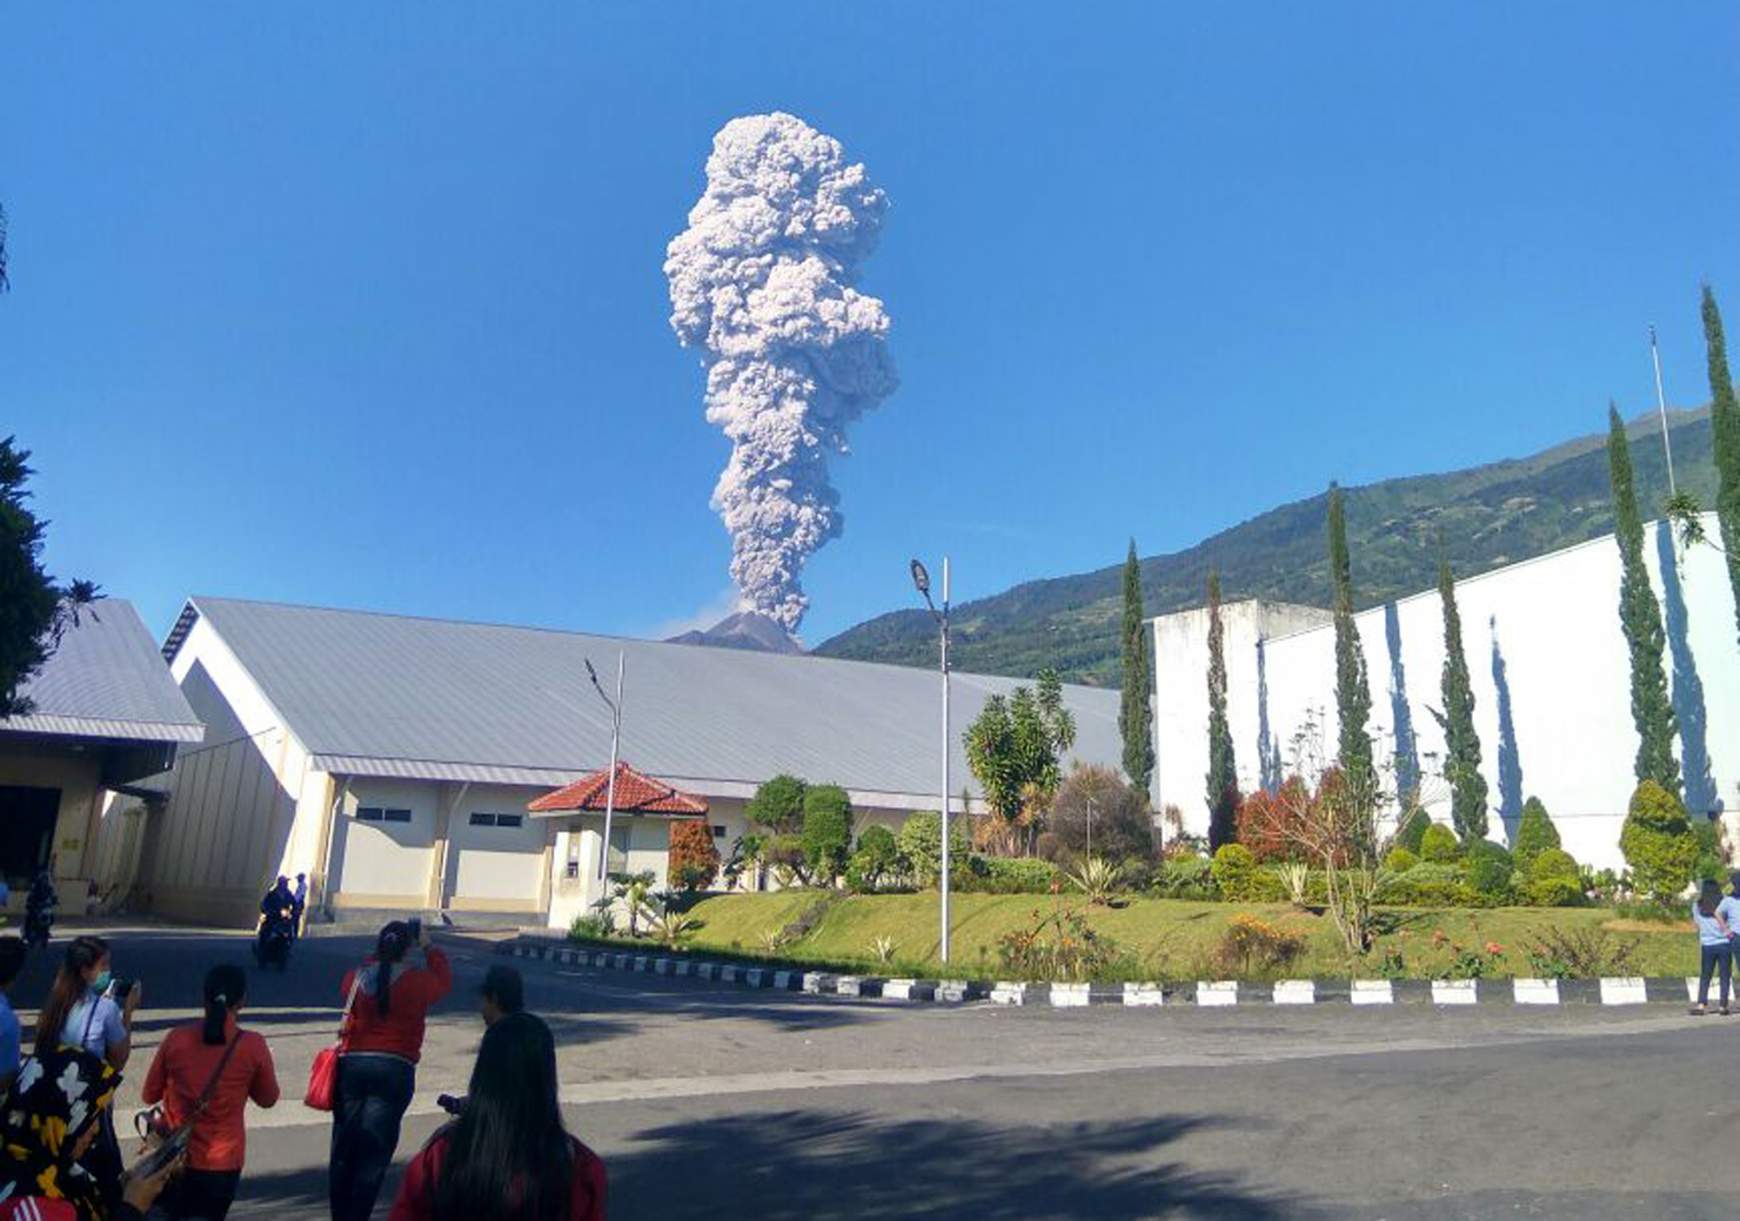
(709, 1103)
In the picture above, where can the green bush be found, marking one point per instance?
(1534, 834)
(1711, 865)
(1431, 884)
(875, 861)
(1489, 869)
(1235, 870)
(1186, 877)
(1658, 843)
(1011, 875)
(778, 805)
(1400, 860)
(920, 841)
(1554, 880)
(1439, 845)
(827, 834)
(1413, 830)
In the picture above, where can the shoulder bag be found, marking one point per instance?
(323, 1073)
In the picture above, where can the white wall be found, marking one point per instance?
(1550, 628)
(496, 865)
(385, 864)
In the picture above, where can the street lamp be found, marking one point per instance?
(921, 582)
(615, 707)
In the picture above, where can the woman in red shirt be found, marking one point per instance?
(205, 1074)
(507, 1156)
(377, 1067)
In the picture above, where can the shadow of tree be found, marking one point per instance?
(1510, 782)
(1688, 688)
(819, 1165)
(1268, 749)
(1407, 751)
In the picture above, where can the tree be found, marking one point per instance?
(1461, 742)
(1725, 427)
(827, 834)
(876, 858)
(1658, 842)
(1534, 834)
(1013, 749)
(1352, 691)
(920, 842)
(693, 858)
(1120, 824)
(1223, 777)
(778, 805)
(35, 610)
(1135, 710)
(1640, 617)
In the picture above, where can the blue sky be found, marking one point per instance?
(362, 305)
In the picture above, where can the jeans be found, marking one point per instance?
(1714, 958)
(373, 1092)
(198, 1195)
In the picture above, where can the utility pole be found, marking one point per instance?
(1661, 407)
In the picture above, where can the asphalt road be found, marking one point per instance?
(713, 1103)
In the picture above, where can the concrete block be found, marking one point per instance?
(1624, 990)
(1455, 992)
(1536, 991)
(1371, 992)
(1069, 996)
(1144, 994)
(1217, 992)
(1295, 992)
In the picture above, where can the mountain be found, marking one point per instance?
(1487, 516)
(744, 630)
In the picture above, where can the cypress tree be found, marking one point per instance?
(1640, 617)
(1725, 427)
(1135, 712)
(1223, 777)
(1461, 742)
(1352, 692)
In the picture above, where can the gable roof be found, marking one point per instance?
(107, 680)
(635, 794)
(388, 695)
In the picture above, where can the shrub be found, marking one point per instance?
(1400, 860)
(1234, 869)
(1253, 947)
(1412, 833)
(1430, 884)
(1096, 878)
(1534, 834)
(1439, 845)
(1186, 877)
(784, 855)
(827, 833)
(876, 860)
(1122, 824)
(1295, 880)
(920, 841)
(778, 805)
(1711, 865)
(1048, 847)
(1554, 880)
(1658, 843)
(692, 861)
(1489, 869)
(1587, 953)
(1011, 875)
(1268, 823)
(1059, 945)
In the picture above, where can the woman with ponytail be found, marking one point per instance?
(204, 1075)
(388, 1001)
(87, 1008)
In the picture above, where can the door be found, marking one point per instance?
(27, 821)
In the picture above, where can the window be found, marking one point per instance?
(484, 819)
(617, 861)
(718, 832)
(381, 814)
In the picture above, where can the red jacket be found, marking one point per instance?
(398, 1032)
(179, 1073)
(416, 1201)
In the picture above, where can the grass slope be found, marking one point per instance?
(1487, 516)
(1164, 939)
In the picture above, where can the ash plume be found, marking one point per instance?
(761, 284)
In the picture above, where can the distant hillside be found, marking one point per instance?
(1487, 515)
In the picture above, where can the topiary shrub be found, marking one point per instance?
(1011, 875)
(827, 833)
(874, 861)
(692, 861)
(1534, 834)
(1439, 845)
(1413, 830)
(1554, 880)
(920, 841)
(1240, 879)
(778, 805)
(1430, 884)
(1400, 860)
(1658, 843)
(1489, 869)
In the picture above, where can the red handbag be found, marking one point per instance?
(323, 1073)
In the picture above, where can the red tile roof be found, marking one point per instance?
(635, 794)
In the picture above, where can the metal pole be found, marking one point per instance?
(1090, 835)
(1661, 406)
(945, 759)
(610, 784)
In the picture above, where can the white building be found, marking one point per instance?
(1551, 677)
(392, 759)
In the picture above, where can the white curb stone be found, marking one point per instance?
(1005, 993)
(642, 965)
(1295, 992)
(1069, 996)
(849, 985)
(752, 978)
(684, 967)
(1372, 992)
(954, 990)
(1692, 988)
(813, 981)
(1143, 994)
(898, 989)
(782, 980)
(729, 974)
(1217, 992)
(1625, 990)
(1454, 992)
(1536, 991)
(661, 966)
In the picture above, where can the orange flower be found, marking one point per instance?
(1493, 948)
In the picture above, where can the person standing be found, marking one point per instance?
(39, 907)
(507, 1156)
(1715, 950)
(298, 904)
(377, 1068)
(12, 955)
(205, 1074)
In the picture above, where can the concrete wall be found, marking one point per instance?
(1550, 674)
(77, 774)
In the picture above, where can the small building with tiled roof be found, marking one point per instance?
(632, 794)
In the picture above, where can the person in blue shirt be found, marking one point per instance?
(12, 952)
(1715, 946)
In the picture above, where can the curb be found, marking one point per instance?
(1438, 993)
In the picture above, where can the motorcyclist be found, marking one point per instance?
(277, 918)
(39, 908)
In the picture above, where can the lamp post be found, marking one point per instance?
(921, 581)
(615, 707)
(1661, 406)
(1090, 828)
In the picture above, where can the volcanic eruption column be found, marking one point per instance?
(762, 284)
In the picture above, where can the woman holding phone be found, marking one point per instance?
(388, 1003)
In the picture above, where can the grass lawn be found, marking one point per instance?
(1160, 938)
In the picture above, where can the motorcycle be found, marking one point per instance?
(38, 925)
(272, 946)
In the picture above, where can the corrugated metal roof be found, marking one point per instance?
(107, 680)
(391, 694)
